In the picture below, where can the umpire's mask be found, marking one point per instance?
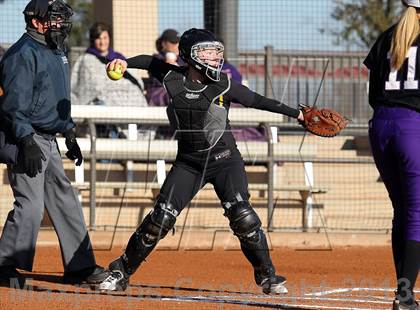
(58, 15)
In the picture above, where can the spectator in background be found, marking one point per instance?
(167, 50)
(91, 87)
(2, 51)
(231, 71)
(247, 133)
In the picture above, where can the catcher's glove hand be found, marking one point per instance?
(324, 122)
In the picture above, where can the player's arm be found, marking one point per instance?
(16, 78)
(243, 95)
(155, 66)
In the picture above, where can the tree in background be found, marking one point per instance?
(82, 20)
(364, 20)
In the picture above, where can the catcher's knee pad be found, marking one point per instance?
(159, 222)
(243, 220)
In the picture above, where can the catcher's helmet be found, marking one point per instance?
(192, 42)
(414, 3)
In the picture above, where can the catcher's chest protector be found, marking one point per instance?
(198, 115)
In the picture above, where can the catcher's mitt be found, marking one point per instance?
(324, 122)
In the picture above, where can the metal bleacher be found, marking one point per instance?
(265, 153)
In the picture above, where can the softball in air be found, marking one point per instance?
(115, 74)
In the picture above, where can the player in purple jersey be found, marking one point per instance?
(394, 133)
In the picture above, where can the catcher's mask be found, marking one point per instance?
(57, 14)
(200, 48)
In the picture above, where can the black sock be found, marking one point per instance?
(410, 269)
(398, 244)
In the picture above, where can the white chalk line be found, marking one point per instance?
(353, 289)
(330, 299)
(231, 299)
(264, 300)
(315, 297)
(253, 303)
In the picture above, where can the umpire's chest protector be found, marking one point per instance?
(198, 115)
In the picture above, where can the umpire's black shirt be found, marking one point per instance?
(36, 88)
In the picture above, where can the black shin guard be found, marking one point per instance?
(246, 224)
(409, 271)
(138, 248)
(255, 249)
(154, 227)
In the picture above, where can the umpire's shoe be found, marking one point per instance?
(9, 277)
(399, 305)
(269, 281)
(91, 275)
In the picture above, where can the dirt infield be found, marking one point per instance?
(344, 278)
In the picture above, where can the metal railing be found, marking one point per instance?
(294, 77)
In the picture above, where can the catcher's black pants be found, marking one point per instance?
(190, 172)
(224, 169)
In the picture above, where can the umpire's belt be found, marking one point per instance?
(45, 135)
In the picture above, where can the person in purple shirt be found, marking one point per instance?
(167, 51)
(241, 133)
(232, 72)
(90, 87)
(100, 37)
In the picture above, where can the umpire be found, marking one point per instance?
(34, 107)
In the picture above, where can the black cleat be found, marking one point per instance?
(91, 275)
(274, 285)
(399, 305)
(269, 281)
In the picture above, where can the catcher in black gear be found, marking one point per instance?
(200, 98)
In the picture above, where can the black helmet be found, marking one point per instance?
(36, 9)
(52, 11)
(193, 41)
(57, 14)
